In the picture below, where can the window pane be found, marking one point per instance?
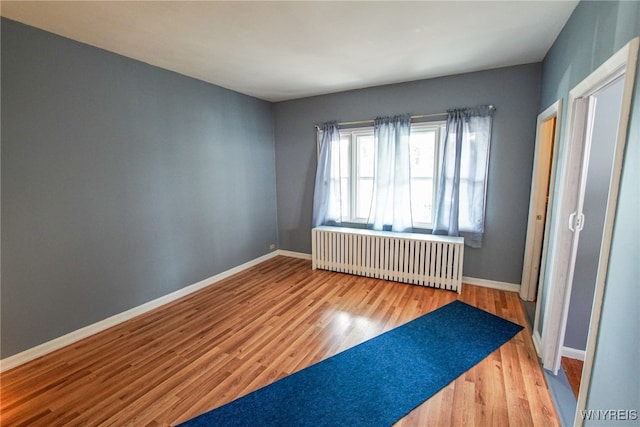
(344, 198)
(422, 146)
(364, 171)
(365, 194)
(422, 200)
(365, 155)
(344, 157)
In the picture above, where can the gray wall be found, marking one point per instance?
(121, 183)
(515, 93)
(595, 31)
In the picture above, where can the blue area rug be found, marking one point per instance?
(377, 382)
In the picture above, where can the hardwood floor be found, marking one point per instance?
(197, 353)
(573, 369)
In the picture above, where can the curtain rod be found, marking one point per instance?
(420, 116)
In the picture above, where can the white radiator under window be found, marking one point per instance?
(420, 259)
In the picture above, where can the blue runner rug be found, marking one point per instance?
(377, 382)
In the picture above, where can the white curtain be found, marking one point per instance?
(391, 204)
(460, 202)
(326, 194)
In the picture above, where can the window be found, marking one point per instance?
(357, 157)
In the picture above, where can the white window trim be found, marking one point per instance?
(353, 132)
(440, 127)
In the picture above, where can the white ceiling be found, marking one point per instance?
(285, 50)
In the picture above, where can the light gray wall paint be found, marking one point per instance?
(515, 93)
(595, 31)
(603, 142)
(121, 183)
(616, 370)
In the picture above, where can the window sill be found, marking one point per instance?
(363, 226)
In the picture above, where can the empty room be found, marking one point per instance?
(320, 213)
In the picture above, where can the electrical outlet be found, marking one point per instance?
(272, 246)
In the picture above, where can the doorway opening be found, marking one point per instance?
(540, 207)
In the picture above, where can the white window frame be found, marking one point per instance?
(440, 129)
(352, 133)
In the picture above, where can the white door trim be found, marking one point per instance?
(562, 240)
(529, 283)
(558, 261)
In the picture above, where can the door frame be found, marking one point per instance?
(630, 52)
(528, 286)
(562, 244)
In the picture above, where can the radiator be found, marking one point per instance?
(420, 259)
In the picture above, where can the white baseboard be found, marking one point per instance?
(292, 254)
(537, 342)
(72, 337)
(504, 286)
(573, 353)
(493, 284)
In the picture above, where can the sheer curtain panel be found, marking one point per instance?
(391, 205)
(326, 194)
(460, 201)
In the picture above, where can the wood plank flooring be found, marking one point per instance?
(204, 350)
(573, 369)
